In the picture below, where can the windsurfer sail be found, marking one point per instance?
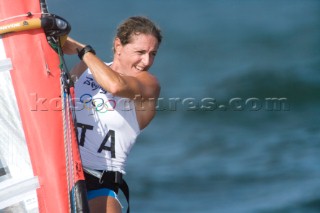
(40, 166)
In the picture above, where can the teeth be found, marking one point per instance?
(139, 68)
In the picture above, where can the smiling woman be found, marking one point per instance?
(124, 85)
(261, 161)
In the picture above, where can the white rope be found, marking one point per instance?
(66, 104)
(21, 15)
(69, 142)
(63, 105)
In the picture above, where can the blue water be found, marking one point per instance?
(238, 155)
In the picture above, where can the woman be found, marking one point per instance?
(115, 102)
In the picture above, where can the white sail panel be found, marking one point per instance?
(17, 182)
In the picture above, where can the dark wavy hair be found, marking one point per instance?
(136, 25)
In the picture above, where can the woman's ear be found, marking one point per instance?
(117, 46)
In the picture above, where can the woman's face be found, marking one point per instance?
(138, 55)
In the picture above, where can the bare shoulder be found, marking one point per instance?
(150, 84)
(146, 106)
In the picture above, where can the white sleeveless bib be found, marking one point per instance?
(107, 125)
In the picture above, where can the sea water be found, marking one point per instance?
(237, 128)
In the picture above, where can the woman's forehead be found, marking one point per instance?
(144, 40)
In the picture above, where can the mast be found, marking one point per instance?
(43, 6)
